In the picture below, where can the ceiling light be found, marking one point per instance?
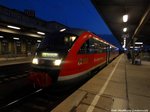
(15, 38)
(13, 27)
(62, 29)
(124, 29)
(1, 36)
(125, 18)
(140, 43)
(38, 40)
(41, 33)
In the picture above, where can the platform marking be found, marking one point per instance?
(97, 97)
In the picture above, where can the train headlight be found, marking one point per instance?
(35, 61)
(57, 62)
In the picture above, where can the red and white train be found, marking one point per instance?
(69, 55)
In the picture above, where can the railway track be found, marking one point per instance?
(18, 95)
(13, 72)
(7, 78)
(27, 99)
(38, 101)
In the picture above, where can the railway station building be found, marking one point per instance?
(21, 32)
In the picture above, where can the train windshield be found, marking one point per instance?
(57, 42)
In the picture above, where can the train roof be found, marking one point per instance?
(76, 31)
(79, 31)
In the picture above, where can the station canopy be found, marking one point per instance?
(138, 24)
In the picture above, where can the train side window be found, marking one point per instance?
(92, 46)
(95, 46)
(99, 50)
(84, 48)
(103, 47)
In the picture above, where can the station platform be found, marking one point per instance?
(119, 87)
(15, 60)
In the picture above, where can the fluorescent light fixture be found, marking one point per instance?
(62, 29)
(13, 27)
(136, 47)
(124, 42)
(140, 43)
(41, 33)
(124, 29)
(125, 18)
(1, 36)
(38, 40)
(15, 38)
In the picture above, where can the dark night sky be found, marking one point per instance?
(73, 13)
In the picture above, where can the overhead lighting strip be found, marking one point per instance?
(41, 33)
(13, 27)
(15, 38)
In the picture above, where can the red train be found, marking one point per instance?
(69, 55)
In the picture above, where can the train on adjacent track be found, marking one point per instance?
(69, 55)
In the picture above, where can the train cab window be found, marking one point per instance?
(69, 39)
(58, 41)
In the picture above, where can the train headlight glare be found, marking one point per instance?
(35, 61)
(57, 62)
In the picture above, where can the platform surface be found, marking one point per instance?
(15, 60)
(118, 87)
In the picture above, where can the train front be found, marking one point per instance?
(49, 58)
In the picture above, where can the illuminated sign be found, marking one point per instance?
(49, 54)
